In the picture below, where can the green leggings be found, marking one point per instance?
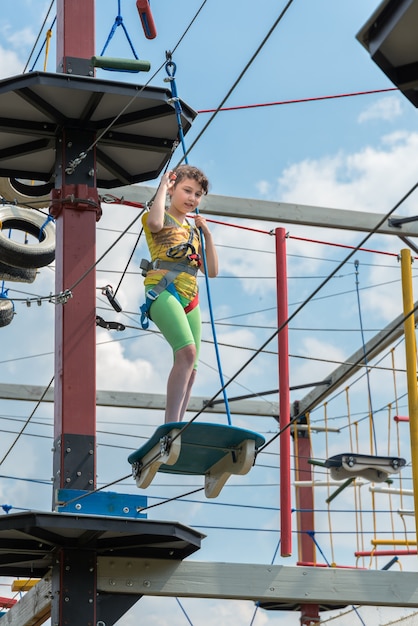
(180, 329)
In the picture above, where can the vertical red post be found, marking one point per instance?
(284, 394)
(75, 206)
(75, 320)
(305, 513)
(75, 34)
(304, 497)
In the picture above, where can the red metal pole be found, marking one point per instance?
(284, 394)
(373, 553)
(305, 515)
(75, 34)
(304, 498)
(75, 320)
(75, 206)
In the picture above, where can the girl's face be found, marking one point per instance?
(186, 195)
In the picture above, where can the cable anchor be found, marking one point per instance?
(75, 163)
(63, 297)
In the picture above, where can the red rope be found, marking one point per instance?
(254, 230)
(324, 243)
(343, 245)
(315, 99)
(115, 200)
(110, 199)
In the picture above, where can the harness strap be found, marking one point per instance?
(174, 269)
(181, 266)
(192, 304)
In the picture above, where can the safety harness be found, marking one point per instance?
(186, 254)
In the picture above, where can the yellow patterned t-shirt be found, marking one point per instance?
(171, 234)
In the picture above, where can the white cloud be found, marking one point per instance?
(10, 63)
(385, 109)
(115, 371)
(263, 187)
(321, 350)
(21, 39)
(372, 179)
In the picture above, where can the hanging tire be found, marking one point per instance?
(26, 255)
(12, 189)
(7, 311)
(17, 274)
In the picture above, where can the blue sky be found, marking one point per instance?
(355, 153)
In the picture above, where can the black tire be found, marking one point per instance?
(26, 255)
(7, 311)
(17, 274)
(15, 190)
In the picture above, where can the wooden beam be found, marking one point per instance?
(33, 609)
(232, 581)
(372, 349)
(133, 400)
(280, 212)
(265, 583)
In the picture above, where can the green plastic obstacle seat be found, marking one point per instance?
(212, 450)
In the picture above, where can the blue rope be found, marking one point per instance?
(119, 22)
(171, 71)
(257, 604)
(42, 47)
(42, 228)
(184, 612)
(311, 534)
(170, 68)
(215, 341)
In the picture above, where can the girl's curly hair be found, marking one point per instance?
(189, 171)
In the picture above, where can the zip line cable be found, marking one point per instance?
(68, 291)
(27, 422)
(350, 369)
(129, 261)
(313, 294)
(75, 162)
(257, 604)
(38, 37)
(46, 46)
(299, 100)
(254, 56)
(282, 430)
(200, 489)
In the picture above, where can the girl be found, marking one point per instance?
(171, 286)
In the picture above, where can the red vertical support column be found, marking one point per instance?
(305, 513)
(284, 394)
(75, 35)
(75, 205)
(75, 320)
